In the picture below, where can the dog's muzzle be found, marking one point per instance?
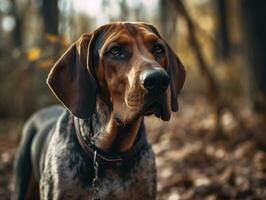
(155, 82)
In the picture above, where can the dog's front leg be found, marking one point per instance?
(59, 179)
(52, 187)
(49, 183)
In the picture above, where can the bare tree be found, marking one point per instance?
(223, 48)
(17, 32)
(168, 19)
(50, 14)
(254, 24)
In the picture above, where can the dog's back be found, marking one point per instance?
(33, 139)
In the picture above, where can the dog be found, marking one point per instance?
(95, 146)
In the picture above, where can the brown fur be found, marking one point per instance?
(118, 79)
(122, 79)
(107, 91)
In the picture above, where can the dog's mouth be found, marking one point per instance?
(156, 106)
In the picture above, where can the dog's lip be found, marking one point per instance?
(153, 105)
(156, 106)
(153, 108)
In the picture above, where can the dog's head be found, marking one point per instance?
(129, 66)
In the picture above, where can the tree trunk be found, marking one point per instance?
(254, 26)
(17, 32)
(50, 16)
(168, 18)
(124, 10)
(223, 47)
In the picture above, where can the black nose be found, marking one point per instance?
(155, 81)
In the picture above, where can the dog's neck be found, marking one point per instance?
(102, 130)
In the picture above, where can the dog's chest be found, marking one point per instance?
(138, 183)
(71, 175)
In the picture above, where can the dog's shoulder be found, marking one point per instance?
(63, 161)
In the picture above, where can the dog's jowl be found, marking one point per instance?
(94, 145)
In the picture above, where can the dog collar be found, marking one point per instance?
(109, 160)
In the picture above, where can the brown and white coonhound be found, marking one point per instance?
(108, 80)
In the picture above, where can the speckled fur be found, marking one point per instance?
(50, 151)
(68, 172)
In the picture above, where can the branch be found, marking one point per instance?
(212, 85)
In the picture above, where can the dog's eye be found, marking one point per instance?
(158, 50)
(115, 51)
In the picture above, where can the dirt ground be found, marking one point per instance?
(193, 161)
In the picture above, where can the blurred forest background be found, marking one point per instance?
(214, 147)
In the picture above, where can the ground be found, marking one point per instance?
(193, 161)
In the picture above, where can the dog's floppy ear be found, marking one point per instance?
(177, 74)
(72, 82)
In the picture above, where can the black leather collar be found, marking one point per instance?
(110, 160)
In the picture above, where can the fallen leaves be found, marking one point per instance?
(191, 165)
